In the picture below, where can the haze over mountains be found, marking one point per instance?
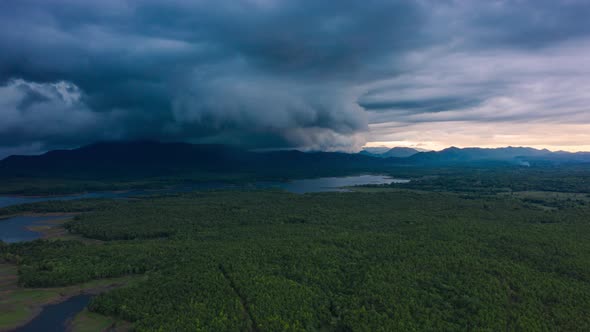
(520, 155)
(148, 158)
(383, 152)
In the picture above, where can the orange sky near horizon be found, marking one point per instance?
(440, 135)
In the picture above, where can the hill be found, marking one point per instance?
(400, 152)
(396, 152)
(148, 158)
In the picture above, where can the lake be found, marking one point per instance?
(334, 183)
(296, 186)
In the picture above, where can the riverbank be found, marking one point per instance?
(19, 306)
(53, 229)
(65, 215)
(29, 227)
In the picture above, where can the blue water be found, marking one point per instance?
(295, 186)
(54, 317)
(15, 200)
(334, 183)
(14, 229)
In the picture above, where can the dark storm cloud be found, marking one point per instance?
(525, 24)
(262, 73)
(420, 105)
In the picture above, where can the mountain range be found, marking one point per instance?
(147, 158)
(524, 156)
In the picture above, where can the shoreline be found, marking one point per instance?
(76, 193)
(54, 295)
(39, 214)
(37, 309)
(52, 229)
(173, 184)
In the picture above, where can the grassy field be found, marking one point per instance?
(54, 230)
(551, 200)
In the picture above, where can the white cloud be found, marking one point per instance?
(34, 114)
(502, 89)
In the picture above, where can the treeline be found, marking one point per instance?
(493, 180)
(57, 206)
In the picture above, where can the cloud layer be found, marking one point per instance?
(327, 75)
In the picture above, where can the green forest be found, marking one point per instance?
(383, 260)
(498, 179)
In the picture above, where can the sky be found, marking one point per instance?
(307, 74)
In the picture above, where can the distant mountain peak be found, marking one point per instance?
(401, 152)
(385, 152)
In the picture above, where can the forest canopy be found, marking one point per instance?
(361, 261)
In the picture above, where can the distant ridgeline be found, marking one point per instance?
(516, 155)
(146, 158)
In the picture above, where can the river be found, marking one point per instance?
(55, 317)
